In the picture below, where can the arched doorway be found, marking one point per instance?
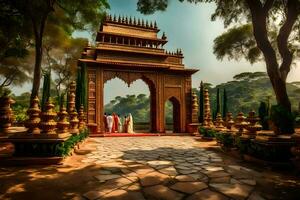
(172, 115)
(136, 97)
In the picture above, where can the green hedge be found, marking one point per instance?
(53, 149)
(225, 139)
(208, 133)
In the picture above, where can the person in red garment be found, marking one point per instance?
(116, 123)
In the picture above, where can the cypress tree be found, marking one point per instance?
(201, 103)
(84, 86)
(218, 108)
(263, 114)
(225, 108)
(46, 89)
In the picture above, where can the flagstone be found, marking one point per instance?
(162, 193)
(171, 171)
(153, 178)
(207, 195)
(235, 191)
(103, 178)
(189, 187)
(184, 178)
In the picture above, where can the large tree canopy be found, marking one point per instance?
(70, 15)
(275, 30)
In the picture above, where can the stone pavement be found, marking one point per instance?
(166, 168)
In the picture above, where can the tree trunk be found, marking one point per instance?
(37, 67)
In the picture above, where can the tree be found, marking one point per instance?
(275, 28)
(201, 103)
(69, 14)
(46, 89)
(218, 107)
(225, 108)
(81, 87)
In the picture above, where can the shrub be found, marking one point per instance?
(282, 119)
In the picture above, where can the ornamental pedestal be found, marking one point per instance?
(48, 124)
(6, 114)
(34, 117)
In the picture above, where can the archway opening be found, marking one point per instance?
(135, 99)
(172, 115)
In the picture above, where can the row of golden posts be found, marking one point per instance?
(43, 124)
(246, 128)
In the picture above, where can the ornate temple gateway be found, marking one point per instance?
(130, 49)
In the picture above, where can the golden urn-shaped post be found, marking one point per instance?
(229, 121)
(72, 96)
(207, 123)
(253, 126)
(48, 123)
(34, 117)
(74, 122)
(219, 123)
(241, 124)
(81, 118)
(63, 124)
(6, 114)
(195, 108)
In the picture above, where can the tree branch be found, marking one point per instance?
(283, 36)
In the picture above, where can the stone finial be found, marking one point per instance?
(6, 113)
(219, 122)
(34, 117)
(241, 123)
(253, 125)
(74, 122)
(229, 121)
(48, 124)
(195, 108)
(81, 117)
(164, 37)
(63, 124)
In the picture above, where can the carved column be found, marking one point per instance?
(195, 108)
(63, 124)
(81, 117)
(207, 113)
(34, 117)
(72, 110)
(6, 114)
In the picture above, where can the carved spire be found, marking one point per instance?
(164, 37)
(63, 123)
(81, 117)
(48, 124)
(34, 117)
(130, 20)
(6, 113)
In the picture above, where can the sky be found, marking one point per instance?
(187, 26)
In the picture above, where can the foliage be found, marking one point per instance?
(70, 15)
(273, 36)
(283, 119)
(225, 107)
(61, 149)
(201, 103)
(263, 114)
(218, 104)
(208, 133)
(225, 139)
(46, 89)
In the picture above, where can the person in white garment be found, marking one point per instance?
(130, 124)
(120, 126)
(110, 122)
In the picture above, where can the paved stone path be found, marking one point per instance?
(166, 168)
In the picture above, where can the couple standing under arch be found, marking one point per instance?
(114, 124)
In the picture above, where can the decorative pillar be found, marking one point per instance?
(81, 117)
(241, 123)
(229, 121)
(207, 123)
(72, 110)
(193, 127)
(34, 117)
(63, 124)
(219, 123)
(253, 126)
(6, 114)
(72, 96)
(48, 124)
(195, 108)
